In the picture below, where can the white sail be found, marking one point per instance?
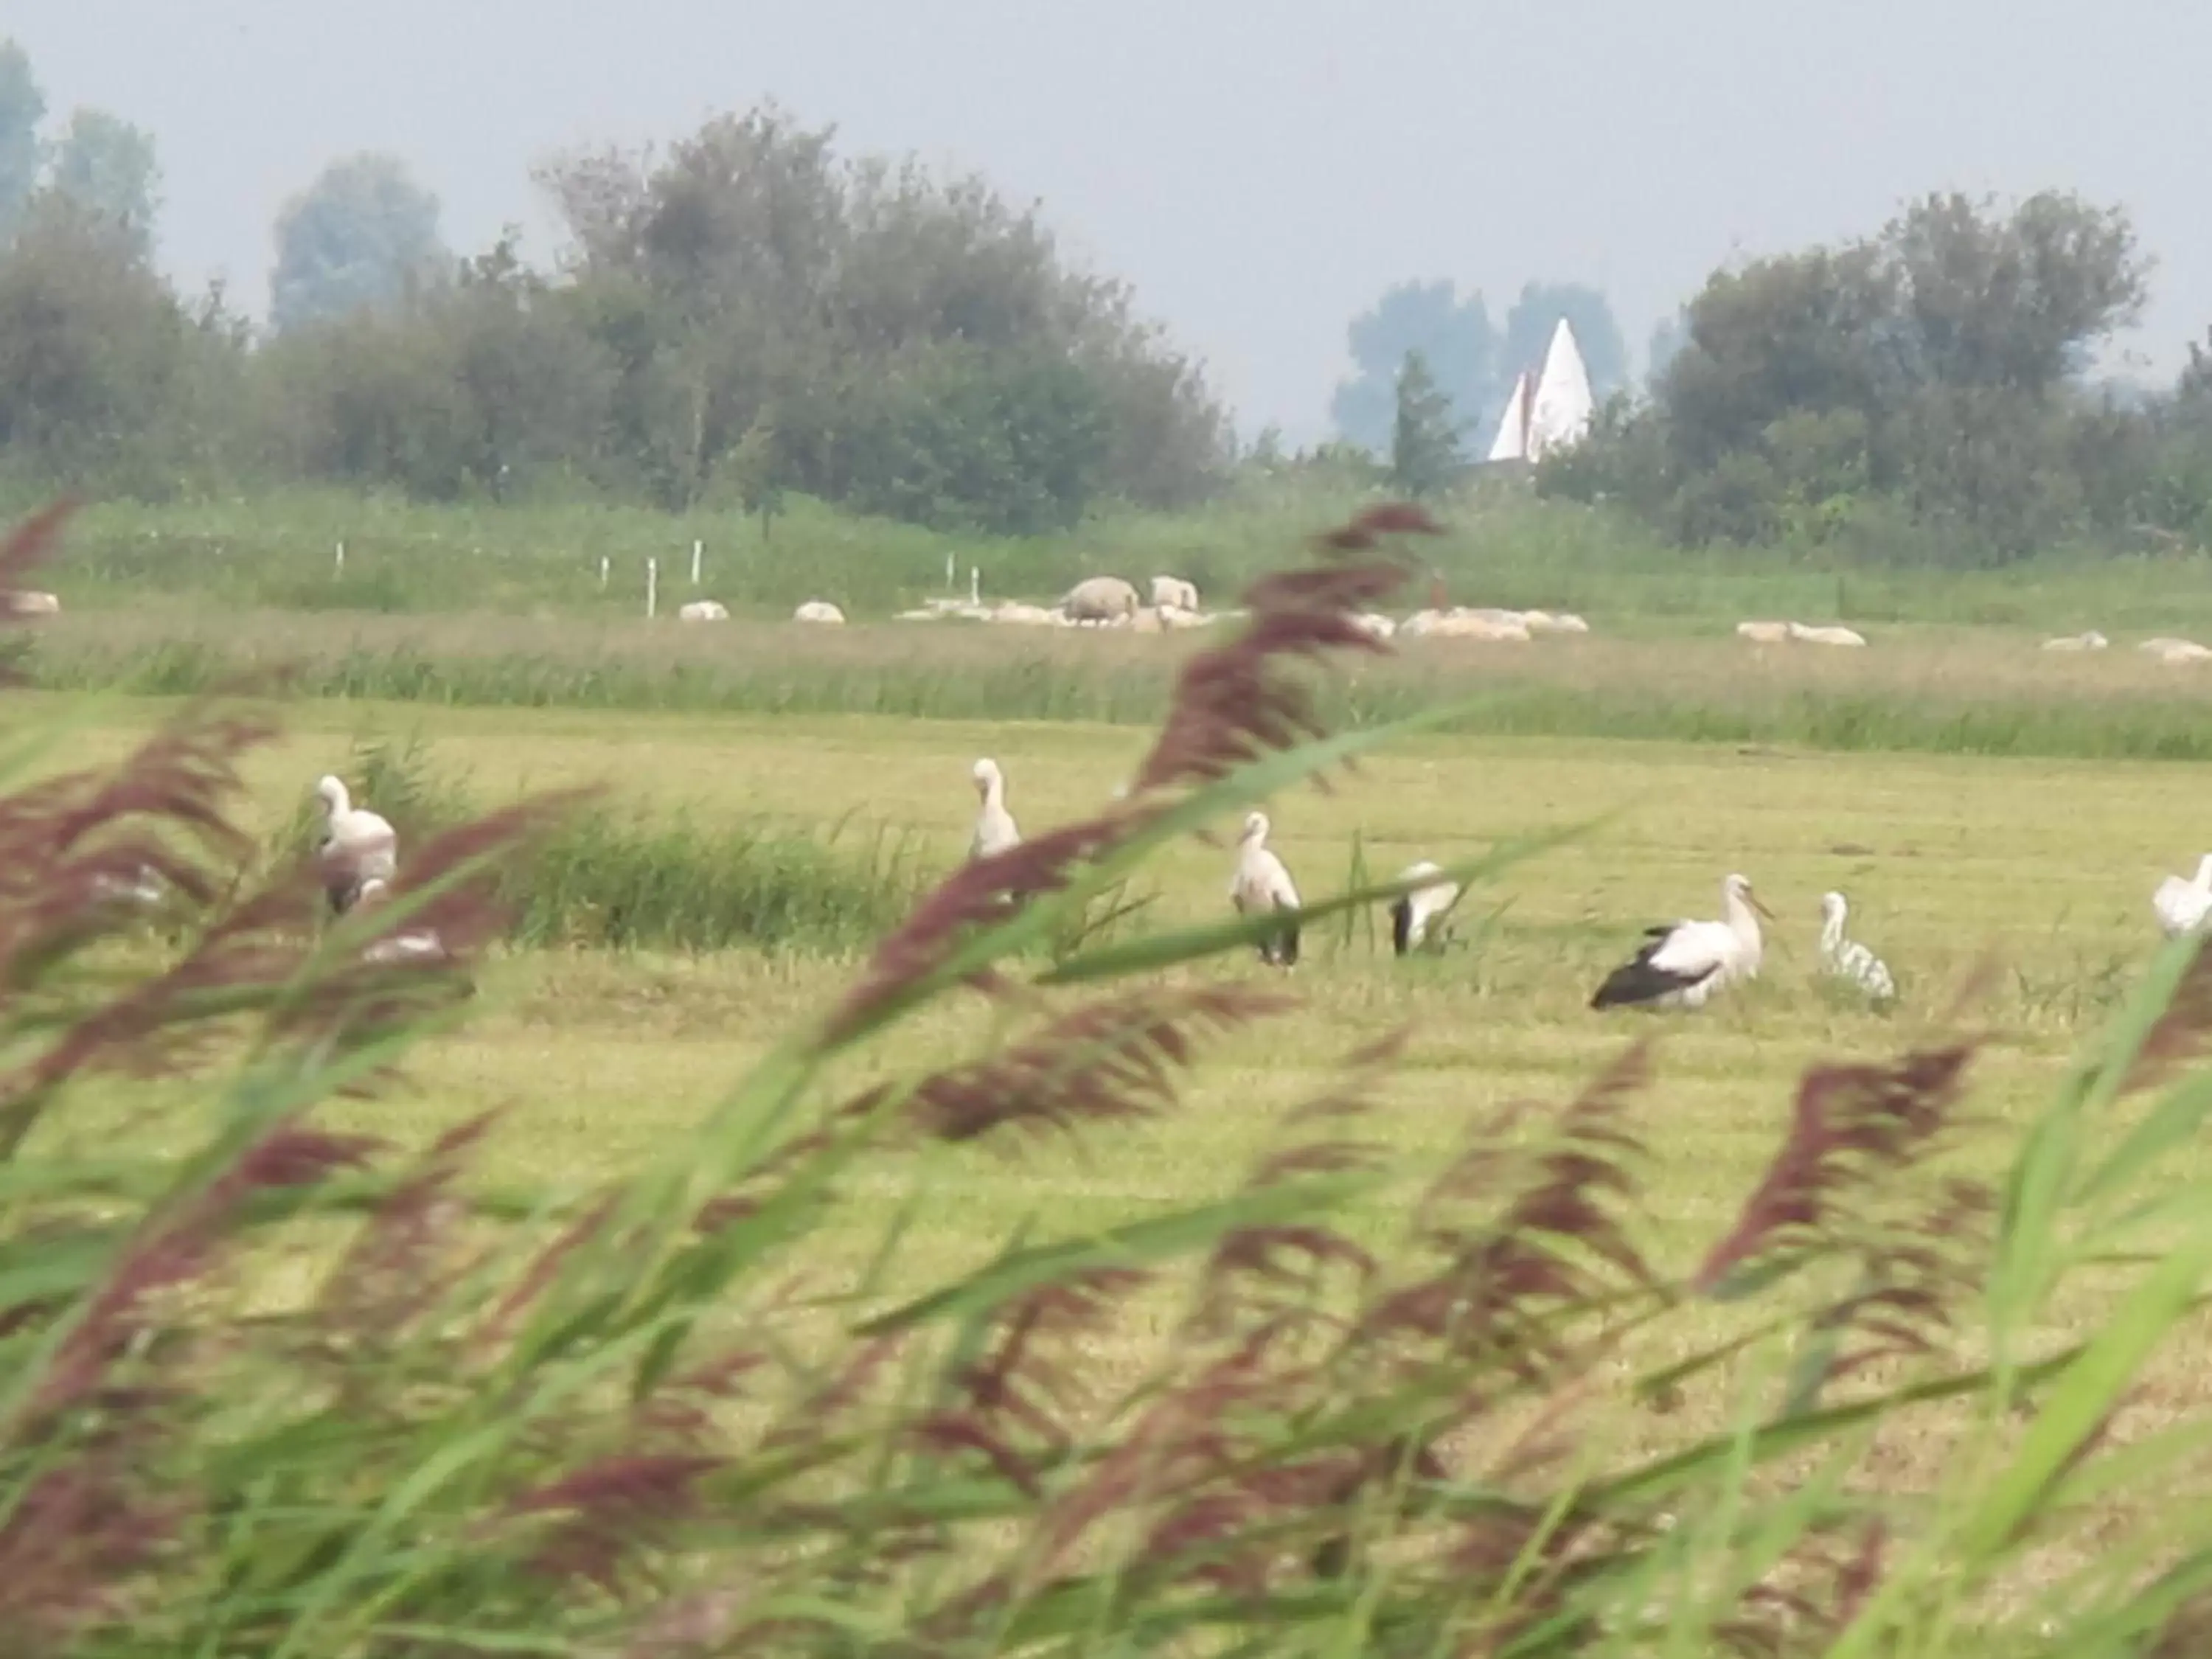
(1511, 443)
(1561, 412)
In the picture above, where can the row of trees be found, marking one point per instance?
(1920, 394)
(96, 160)
(748, 314)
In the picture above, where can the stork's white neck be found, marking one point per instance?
(1832, 931)
(1743, 920)
(2204, 872)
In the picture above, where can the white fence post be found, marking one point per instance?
(975, 585)
(698, 549)
(602, 570)
(652, 587)
(338, 564)
(952, 570)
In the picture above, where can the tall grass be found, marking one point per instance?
(609, 879)
(1906, 692)
(696, 1409)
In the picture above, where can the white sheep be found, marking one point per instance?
(1100, 598)
(1174, 591)
(1029, 615)
(1765, 633)
(818, 610)
(1471, 625)
(30, 602)
(1375, 624)
(1825, 635)
(704, 611)
(1554, 622)
(2172, 651)
(2091, 640)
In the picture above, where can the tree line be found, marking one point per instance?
(1921, 395)
(749, 314)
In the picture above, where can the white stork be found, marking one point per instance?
(1413, 914)
(416, 944)
(2181, 906)
(1684, 962)
(357, 846)
(995, 829)
(1848, 959)
(1261, 885)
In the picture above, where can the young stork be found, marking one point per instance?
(1686, 961)
(1411, 916)
(2180, 905)
(995, 830)
(357, 847)
(1261, 884)
(1848, 959)
(415, 945)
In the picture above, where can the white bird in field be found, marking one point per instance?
(1684, 963)
(1413, 914)
(357, 846)
(1848, 959)
(145, 890)
(2181, 906)
(1261, 886)
(417, 944)
(995, 829)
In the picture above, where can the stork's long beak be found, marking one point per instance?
(1752, 900)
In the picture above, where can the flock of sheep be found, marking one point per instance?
(1112, 602)
(2165, 647)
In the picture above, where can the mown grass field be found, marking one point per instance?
(2047, 864)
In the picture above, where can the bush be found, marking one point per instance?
(607, 879)
(619, 1422)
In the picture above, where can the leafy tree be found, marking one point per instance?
(1669, 335)
(1454, 338)
(23, 108)
(108, 167)
(95, 355)
(1935, 365)
(1425, 452)
(752, 278)
(363, 234)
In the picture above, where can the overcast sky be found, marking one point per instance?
(1260, 173)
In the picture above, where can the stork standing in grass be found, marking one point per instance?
(1415, 913)
(358, 846)
(2181, 906)
(1848, 959)
(1262, 885)
(995, 829)
(1684, 963)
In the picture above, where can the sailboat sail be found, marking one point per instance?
(1511, 443)
(1561, 410)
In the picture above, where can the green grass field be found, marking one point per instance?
(2048, 864)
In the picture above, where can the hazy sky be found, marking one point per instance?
(1260, 173)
